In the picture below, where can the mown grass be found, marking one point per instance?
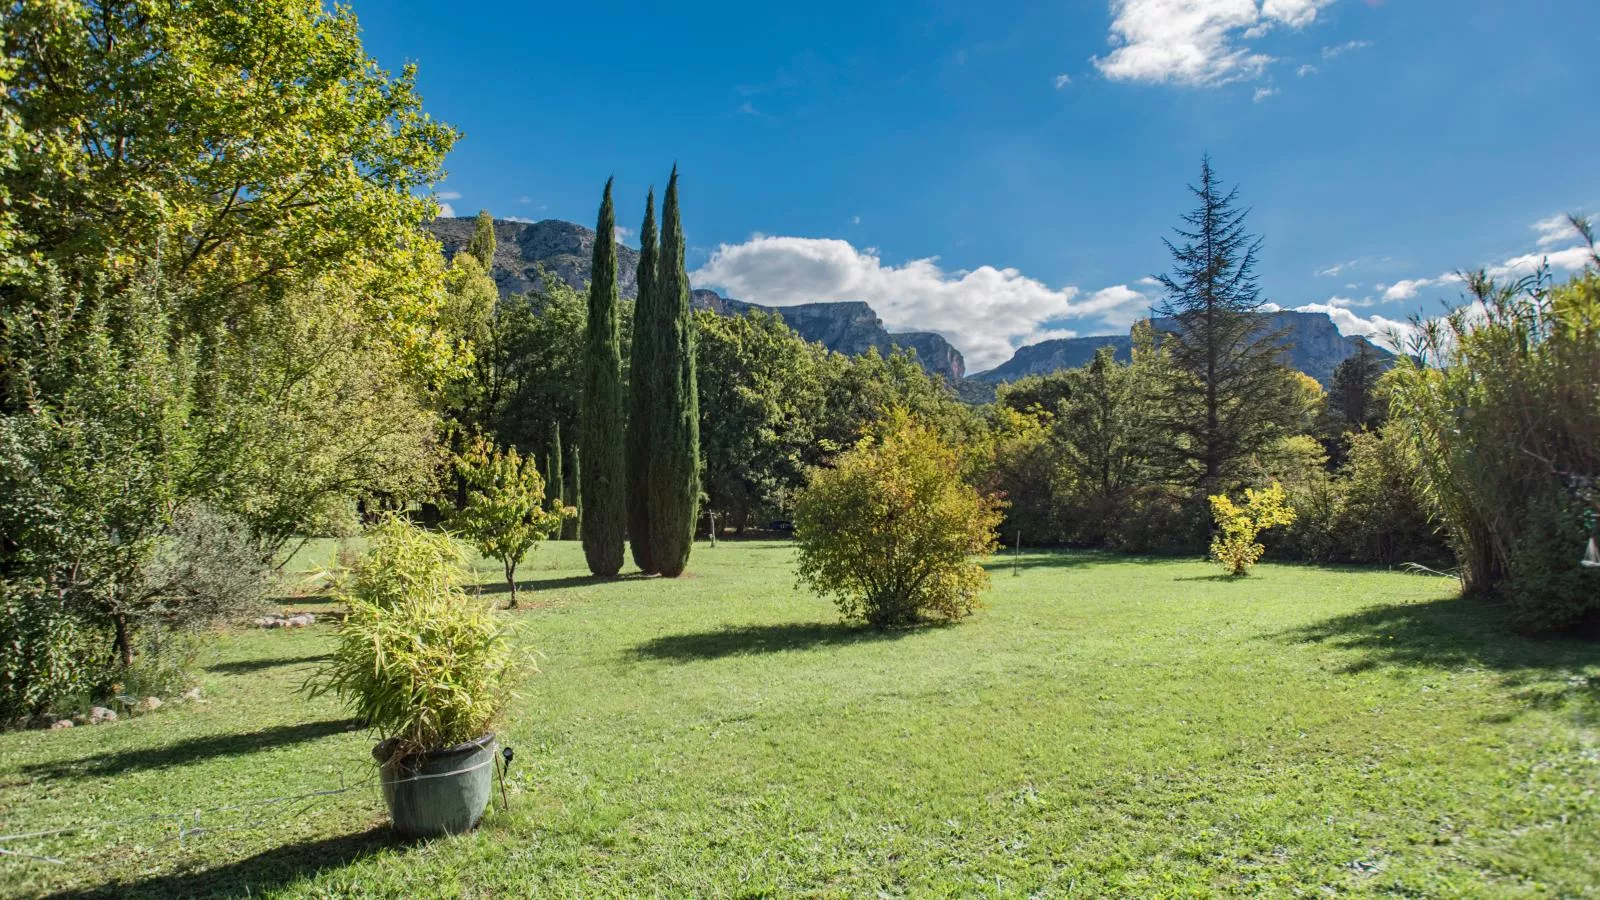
(1107, 726)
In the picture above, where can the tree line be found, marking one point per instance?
(224, 328)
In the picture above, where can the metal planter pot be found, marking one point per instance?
(442, 791)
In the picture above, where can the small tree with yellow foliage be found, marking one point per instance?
(505, 513)
(892, 533)
(1238, 526)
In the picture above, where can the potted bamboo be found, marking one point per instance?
(426, 666)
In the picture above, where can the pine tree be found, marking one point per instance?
(1355, 380)
(644, 392)
(675, 461)
(482, 243)
(1227, 397)
(601, 426)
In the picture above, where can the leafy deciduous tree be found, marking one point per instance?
(505, 515)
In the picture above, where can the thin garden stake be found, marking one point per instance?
(1015, 570)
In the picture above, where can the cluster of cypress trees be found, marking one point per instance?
(652, 478)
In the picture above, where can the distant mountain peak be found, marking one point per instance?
(566, 250)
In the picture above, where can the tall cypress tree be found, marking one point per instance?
(574, 499)
(675, 457)
(482, 243)
(601, 433)
(555, 485)
(644, 390)
(1229, 395)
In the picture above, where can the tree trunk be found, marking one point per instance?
(124, 641)
(511, 580)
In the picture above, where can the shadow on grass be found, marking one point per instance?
(535, 586)
(1450, 632)
(1223, 578)
(747, 639)
(260, 874)
(191, 751)
(1004, 562)
(246, 666)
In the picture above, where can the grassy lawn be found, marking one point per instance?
(1106, 726)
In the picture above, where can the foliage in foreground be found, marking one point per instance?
(1501, 405)
(890, 531)
(1238, 526)
(417, 658)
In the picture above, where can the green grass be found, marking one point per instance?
(1107, 726)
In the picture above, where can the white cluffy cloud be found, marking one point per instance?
(1196, 42)
(1378, 329)
(446, 211)
(448, 195)
(1062, 81)
(985, 312)
(1555, 230)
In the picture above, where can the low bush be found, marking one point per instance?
(1238, 526)
(890, 532)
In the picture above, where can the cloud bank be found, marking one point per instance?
(986, 312)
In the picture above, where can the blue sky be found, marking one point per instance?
(1004, 172)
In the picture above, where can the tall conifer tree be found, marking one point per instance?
(482, 243)
(555, 485)
(1355, 386)
(675, 458)
(574, 526)
(644, 392)
(1228, 394)
(600, 441)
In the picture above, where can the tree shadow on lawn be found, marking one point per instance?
(191, 750)
(736, 640)
(535, 586)
(1450, 632)
(1066, 558)
(259, 874)
(246, 666)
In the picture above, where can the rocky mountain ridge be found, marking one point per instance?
(1314, 346)
(566, 249)
(853, 327)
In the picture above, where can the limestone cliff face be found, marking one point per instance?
(564, 249)
(1312, 344)
(1052, 356)
(849, 327)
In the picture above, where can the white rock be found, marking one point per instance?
(100, 714)
(64, 723)
(150, 704)
(193, 695)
